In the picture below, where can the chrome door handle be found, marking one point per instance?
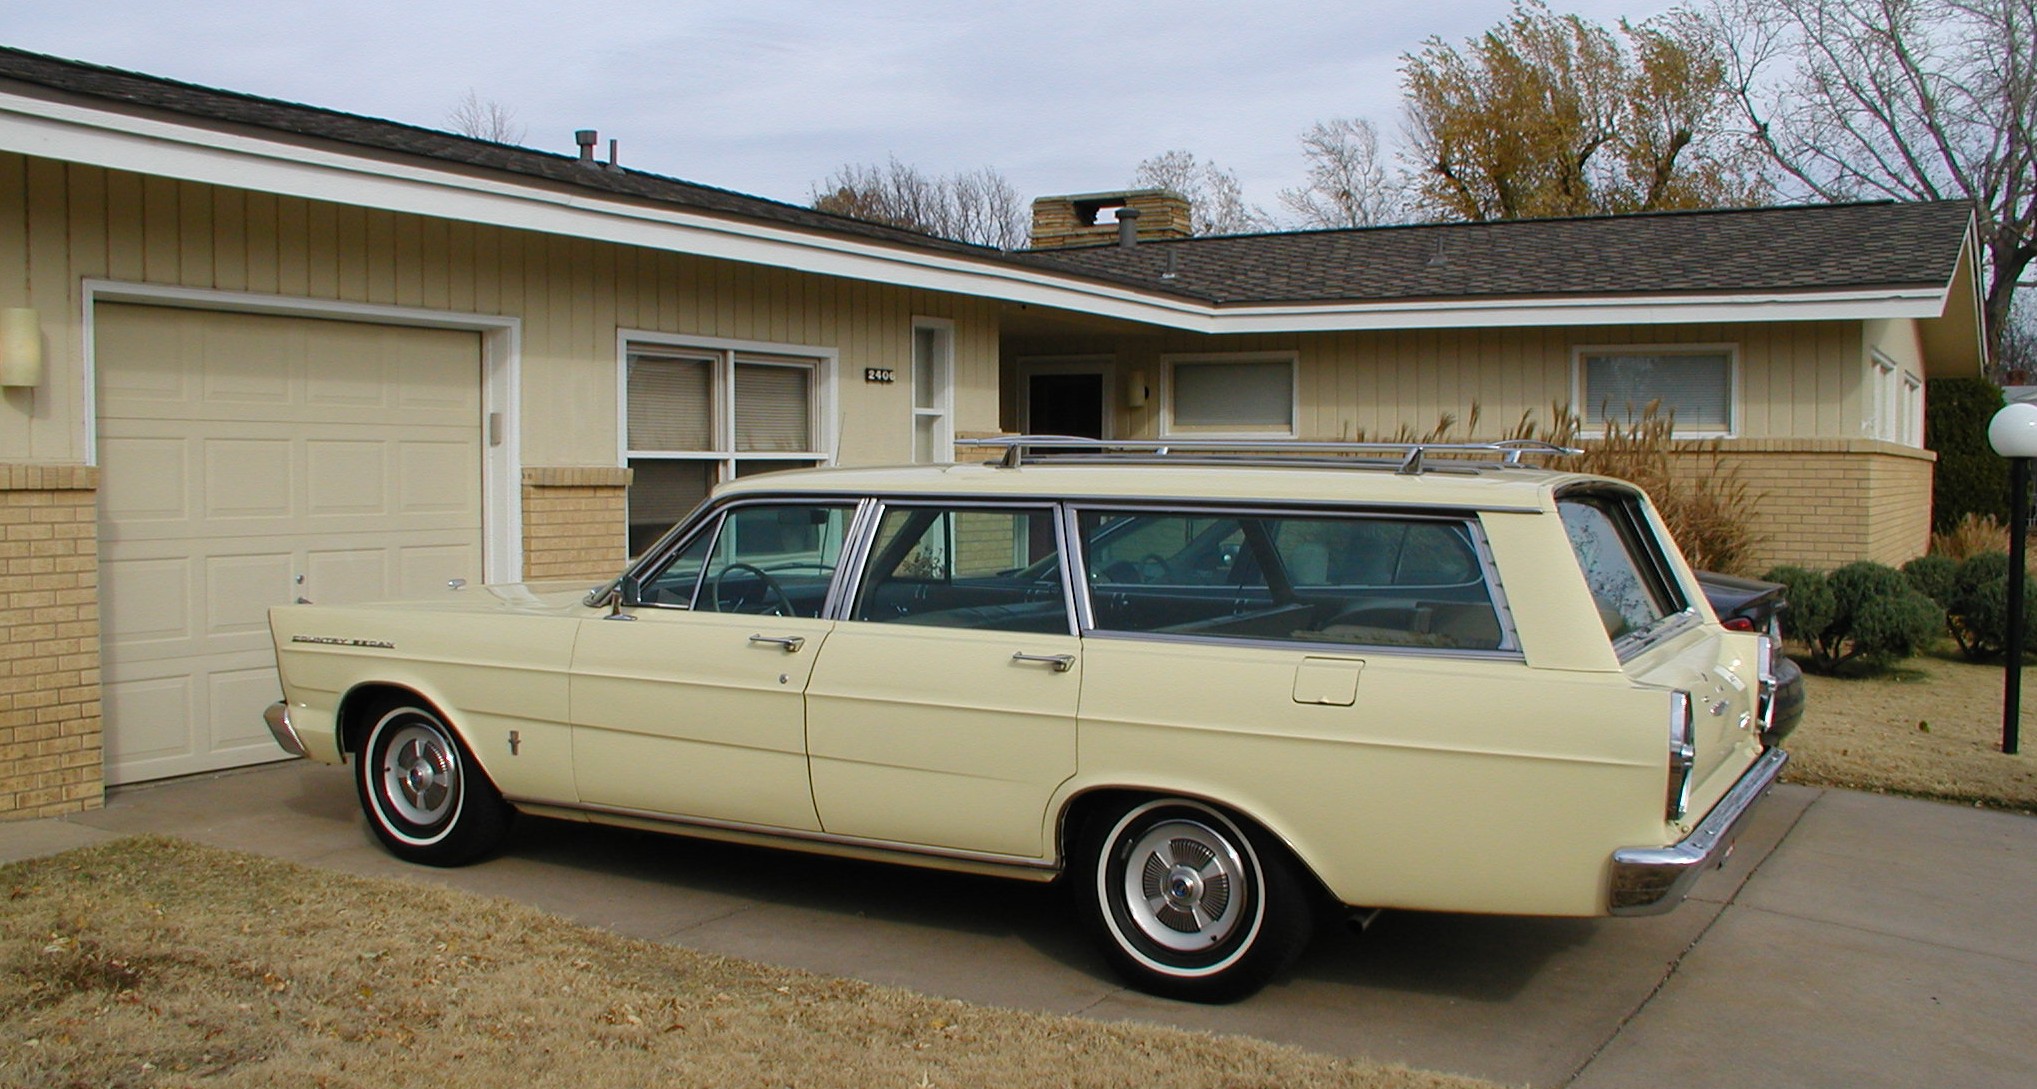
(1062, 663)
(790, 644)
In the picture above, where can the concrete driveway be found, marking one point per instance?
(1852, 940)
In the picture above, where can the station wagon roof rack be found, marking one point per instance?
(1403, 457)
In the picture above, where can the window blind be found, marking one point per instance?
(671, 403)
(1696, 387)
(1238, 396)
(774, 408)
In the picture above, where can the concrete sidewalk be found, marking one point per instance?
(1852, 940)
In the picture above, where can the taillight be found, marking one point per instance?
(1682, 753)
(1764, 668)
(1737, 623)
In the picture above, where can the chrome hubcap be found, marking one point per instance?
(420, 777)
(1182, 883)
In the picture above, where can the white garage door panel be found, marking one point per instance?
(250, 460)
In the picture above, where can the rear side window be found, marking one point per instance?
(1358, 579)
(1621, 565)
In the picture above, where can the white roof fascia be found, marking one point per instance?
(1927, 302)
(120, 141)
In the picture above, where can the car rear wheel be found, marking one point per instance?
(425, 798)
(1187, 904)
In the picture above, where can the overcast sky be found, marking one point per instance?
(768, 96)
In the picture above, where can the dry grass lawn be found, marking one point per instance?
(152, 962)
(1930, 729)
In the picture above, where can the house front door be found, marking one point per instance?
(1065, 404)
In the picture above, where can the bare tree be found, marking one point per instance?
(1910, 99)
(485, 120)
(2016, 342)
(1216, 200)
(1347, 185)
(978, 206)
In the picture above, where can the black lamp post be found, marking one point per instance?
(2013, 434)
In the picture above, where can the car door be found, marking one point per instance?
(690, 702)
(942, 711)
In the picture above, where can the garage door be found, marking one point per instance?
(249, 460)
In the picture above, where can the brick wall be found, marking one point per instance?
(573, 523)
(1822, 503)
(50, 742)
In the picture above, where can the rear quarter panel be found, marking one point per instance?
(1449, 784)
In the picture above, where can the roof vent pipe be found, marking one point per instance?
(586, 139)
(1128, 227)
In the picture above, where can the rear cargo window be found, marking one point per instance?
(1369, 580)
(1620, 563)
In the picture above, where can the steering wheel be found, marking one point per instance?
(771, 588)
(1153, 569)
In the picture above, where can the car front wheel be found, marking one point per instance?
(423, 794)
(1186, 903)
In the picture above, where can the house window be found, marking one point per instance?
(697, 415)
(1248, 396)
(1692, 384)
(1912, 431)
(1895, 410)
(933, 390)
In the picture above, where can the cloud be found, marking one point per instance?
(769, 95)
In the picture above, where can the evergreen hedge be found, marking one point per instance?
(1969, 477)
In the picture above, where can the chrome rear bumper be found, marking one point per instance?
(278, 718)
(1653, 880)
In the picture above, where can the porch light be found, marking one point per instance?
(20, 347)
(2013, 434)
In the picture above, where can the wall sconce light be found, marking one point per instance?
(1135, 390)
(20, 347)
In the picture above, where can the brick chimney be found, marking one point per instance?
(1078, 220)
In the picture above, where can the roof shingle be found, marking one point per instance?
(1811, 247)
(1805, 248)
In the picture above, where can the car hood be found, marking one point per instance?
(522, 598)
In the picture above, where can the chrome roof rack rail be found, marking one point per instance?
(1407, 458)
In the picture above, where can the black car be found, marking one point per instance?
(1755, 605)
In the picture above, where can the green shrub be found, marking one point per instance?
(1863, 616)
(1811, 607)
(1977, 606)
(1970, 478)
(1935, 576)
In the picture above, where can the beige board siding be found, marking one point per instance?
(64, 223)
(49, 641)
(1797, 380)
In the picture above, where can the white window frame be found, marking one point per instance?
(1895, 402)
(725, 354)
(1882, 385)
(942, 411)
(1171, 363)
(1579, 353)
(1911, 433)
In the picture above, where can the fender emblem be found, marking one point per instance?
(334, 641)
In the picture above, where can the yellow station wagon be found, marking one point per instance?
(1214, 692)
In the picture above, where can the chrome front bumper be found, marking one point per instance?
(1653, 880)
(278, 718)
